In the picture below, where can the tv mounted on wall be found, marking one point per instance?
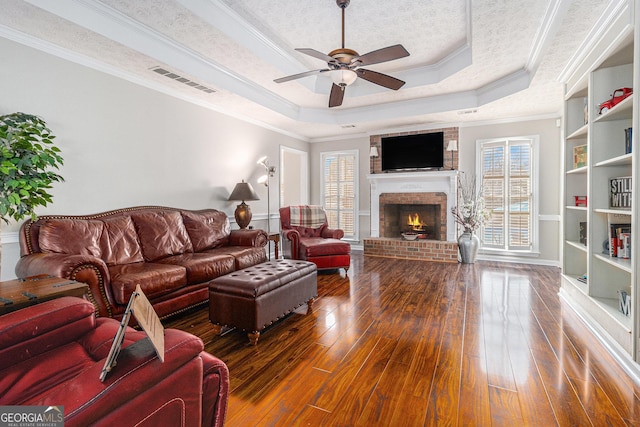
(410, 152)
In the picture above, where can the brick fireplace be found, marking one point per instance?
(421, 213)
(394, 195)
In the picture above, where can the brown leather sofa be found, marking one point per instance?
(51, 354)
(172, 253)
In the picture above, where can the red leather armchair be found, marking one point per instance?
(306, 235)
(51, 354)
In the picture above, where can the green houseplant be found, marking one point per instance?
(27, 159)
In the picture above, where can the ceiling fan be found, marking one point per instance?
(344, 65)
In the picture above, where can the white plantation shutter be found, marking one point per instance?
(507, 169)
(339, 183)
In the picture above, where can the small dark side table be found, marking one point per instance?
(20, 293)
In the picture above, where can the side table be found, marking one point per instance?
(275, 238)
(20, 293)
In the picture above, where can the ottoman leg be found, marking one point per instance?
(310, 305)
(253, 337)
(217, 329)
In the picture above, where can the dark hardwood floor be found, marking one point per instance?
(413, 343)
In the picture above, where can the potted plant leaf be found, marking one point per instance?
(28, 158)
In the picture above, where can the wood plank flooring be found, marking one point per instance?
(415, 343)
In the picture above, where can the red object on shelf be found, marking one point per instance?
(617, 96)
(581, 201)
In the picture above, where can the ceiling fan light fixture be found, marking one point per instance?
(344, 65)
(343, 77)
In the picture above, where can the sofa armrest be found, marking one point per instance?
(215, 390)
(84, 268)
(139, 386)
(290, 243)
(332, 233)
(42, 327)
(255, 237)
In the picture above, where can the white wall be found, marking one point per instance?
(549, 173)
(127, 145)
(361, 144)
(468, 134)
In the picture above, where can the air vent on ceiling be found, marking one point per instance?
(347, 126)
(475, 110)
(181, 79)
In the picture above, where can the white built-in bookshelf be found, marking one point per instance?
(595, 151)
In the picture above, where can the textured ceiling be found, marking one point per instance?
(469, 60)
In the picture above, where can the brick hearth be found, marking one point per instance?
(422, 250)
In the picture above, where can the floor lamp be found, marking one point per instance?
(264, 179)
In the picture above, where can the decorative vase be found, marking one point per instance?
(468, 244)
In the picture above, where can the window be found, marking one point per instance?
(508, 181)
(338, 190)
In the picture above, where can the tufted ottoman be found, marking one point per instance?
(255, 297)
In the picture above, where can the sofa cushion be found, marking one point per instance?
(244, 256)
(122, 241)
(161, 234)
(202, 267)
(72, 236)
(154, 279)
(207, 229)
(318, 246)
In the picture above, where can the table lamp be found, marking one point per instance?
(373, 154)
(243, 191)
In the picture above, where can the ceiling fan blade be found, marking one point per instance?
(383, 55)
(300, 75)
(316, 54)
(336, 96)
(380, 79)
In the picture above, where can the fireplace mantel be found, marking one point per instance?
(414, 182)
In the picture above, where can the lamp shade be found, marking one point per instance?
(373, 151)
(453, 145)
(243, 191)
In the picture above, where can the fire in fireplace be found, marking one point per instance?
(425, 220)
(416, 223)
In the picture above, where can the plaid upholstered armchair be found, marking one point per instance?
(306, 235)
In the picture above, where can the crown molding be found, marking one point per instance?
(579, 64)
(551, 23)
(112, 24)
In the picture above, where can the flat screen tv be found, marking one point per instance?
(410, 152)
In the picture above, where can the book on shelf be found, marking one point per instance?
(582, 278)
(620, 236)
(583, 233)
(579, 156)
(628, 132)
